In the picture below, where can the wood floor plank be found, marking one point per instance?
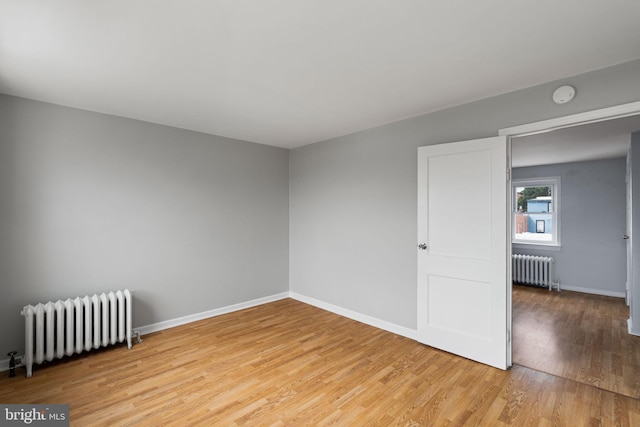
(289, 364)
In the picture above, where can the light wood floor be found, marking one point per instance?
(577, 336)
(290, 364)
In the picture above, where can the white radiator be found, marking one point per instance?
(62, 328)
(534, 270)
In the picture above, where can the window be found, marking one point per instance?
(536, 211)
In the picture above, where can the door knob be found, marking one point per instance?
(422, 246)
(625, 237)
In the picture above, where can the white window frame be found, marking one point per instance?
(554, 183)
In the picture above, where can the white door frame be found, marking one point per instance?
(600, 115)
(594, 116)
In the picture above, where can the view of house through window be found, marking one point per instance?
(535, 216)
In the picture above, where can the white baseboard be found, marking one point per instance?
(616, 294)
(372, 321)
(166, 324)
(630, 328)
(354, 315)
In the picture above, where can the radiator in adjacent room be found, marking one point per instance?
(534, 270)
(62, 328)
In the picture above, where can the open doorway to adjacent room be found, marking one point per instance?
(581, 332)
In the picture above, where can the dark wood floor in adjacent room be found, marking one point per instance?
(290, 364)
(577, 336)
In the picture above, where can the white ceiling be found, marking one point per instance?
(290, 72)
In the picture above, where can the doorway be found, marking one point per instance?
(553, 348)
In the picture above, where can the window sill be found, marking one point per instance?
(537, 246)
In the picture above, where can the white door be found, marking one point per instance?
(463, 235)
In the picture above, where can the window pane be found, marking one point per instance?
(534, 213)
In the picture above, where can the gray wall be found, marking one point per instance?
(91, 203)
(593, 255)
(353, 199)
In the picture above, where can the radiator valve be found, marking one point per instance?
(12, 363)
